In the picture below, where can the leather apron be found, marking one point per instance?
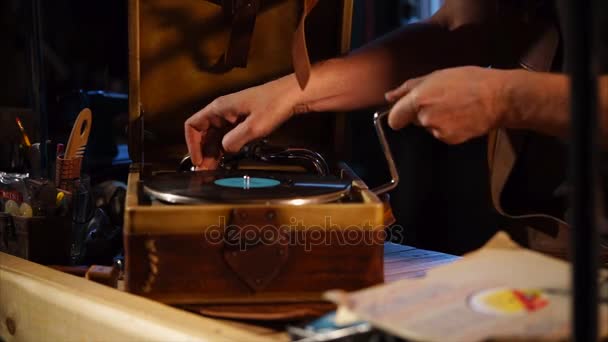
(523, 164)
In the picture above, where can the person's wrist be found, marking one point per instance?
(506, 85)
(290, 95)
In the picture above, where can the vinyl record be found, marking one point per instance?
(256, 187)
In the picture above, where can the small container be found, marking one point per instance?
(41, 239)
(82, 212)
(12, 187)
(66, 172)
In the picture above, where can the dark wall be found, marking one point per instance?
(84, 46)
(14, 59)
(87, 42)
(443, 200)
(87, 48)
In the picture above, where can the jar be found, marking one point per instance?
(12, 188)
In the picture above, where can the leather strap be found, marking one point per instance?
(504, 146)
(243, 14)
(540, 56)
(299, 51)
(541, 232)
(256, 248)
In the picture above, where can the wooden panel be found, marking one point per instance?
(188, 269)
(42, 304)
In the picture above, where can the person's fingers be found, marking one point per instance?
(403, 89)
(432, 123)
(404, 112)
(436, 133)
(208, 164)
(197, 126)
(212, 148)
(201, 119)
(216, 122)
(233, 118)
(194, 139)
(243, 133)
(425, 119)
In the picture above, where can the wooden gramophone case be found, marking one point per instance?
(175, 46)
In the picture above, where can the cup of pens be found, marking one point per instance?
(68, 177)
(42, 219)
(35, 222)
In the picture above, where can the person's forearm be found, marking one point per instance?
(360, 79)
(541, 102)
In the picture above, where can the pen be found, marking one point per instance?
(59, 150)
(26, 139)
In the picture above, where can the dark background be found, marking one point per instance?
(442, 201)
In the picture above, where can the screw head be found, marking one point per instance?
(270, 215)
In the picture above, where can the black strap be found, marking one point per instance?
(242, 16)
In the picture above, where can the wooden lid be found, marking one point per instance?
(175, 46)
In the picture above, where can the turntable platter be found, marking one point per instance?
(253, 187)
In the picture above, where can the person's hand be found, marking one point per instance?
(231, 121)
(455, 105)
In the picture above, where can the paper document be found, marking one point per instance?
(499, 291)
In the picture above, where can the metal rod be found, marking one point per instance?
(583, 167)
(386, 149)
(38, 87)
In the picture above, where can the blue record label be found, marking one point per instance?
(247, 183)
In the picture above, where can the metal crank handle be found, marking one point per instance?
(379, 117)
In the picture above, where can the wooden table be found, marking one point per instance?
(39, 303)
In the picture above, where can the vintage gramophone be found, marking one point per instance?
(180, 228)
